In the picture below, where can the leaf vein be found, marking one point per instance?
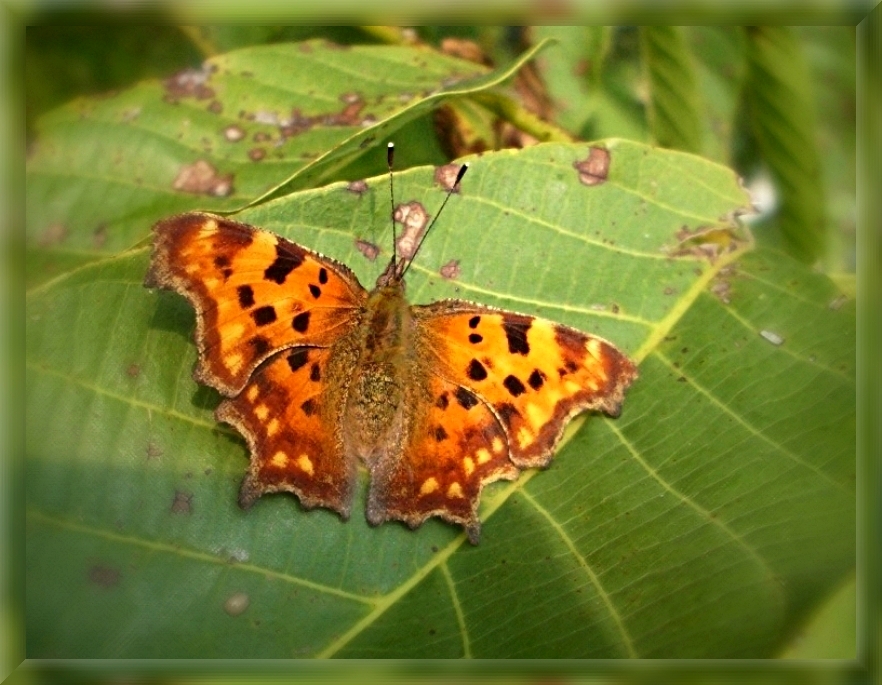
(156, 546)
(583, 563)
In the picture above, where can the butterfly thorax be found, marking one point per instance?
(374, 408)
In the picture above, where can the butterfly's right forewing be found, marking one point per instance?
(255, 293)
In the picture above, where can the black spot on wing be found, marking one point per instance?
(309, 407)
(264, 315)
(507, 412)
(466, 399)
(315, 373)
(476, 370)
(474, 321)
(222, 262)
(323, 275)
(569, 367)
(260, 344)
(246, 296)
(286, 261)
(475, 338)
(315, 291)
(514, 386)
(440, 433)
(442, 402)
(298, 358)
(516, 334)
(300, 323)
(536, 379)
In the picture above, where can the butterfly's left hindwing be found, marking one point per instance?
(255, 293)
(452, 446)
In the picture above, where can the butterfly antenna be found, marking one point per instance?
(459, 175)
(390, 158)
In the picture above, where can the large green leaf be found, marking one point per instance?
(267, 120)
(705, 522)
(708, 520)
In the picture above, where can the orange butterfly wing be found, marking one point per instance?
(534, 374)
(289, 423)
(254, 293)
(452, 446)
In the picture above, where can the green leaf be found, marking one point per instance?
(778, 94)
(594, 95)
(720, 63)
(674, 104)
(706, 521)
(261, 121)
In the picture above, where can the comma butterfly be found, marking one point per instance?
(318, 373)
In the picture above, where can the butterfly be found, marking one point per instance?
(319, 374)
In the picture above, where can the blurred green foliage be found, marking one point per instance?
(777, 104)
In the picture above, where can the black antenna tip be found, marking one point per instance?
(460, 174)
(390, 154)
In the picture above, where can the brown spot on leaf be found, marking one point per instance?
(53, 234)
(182, 503)
(706, 242)
(105, 576)
(256, 154)
(721, 289)
(350, 115)
(369, 250)
(445, 176)
(201, 178)
(413, 217)
(99, 236)
(593, 170)
(450, 270)
(153, 451)
(133, 370)
(189, 83)
(357, 187)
